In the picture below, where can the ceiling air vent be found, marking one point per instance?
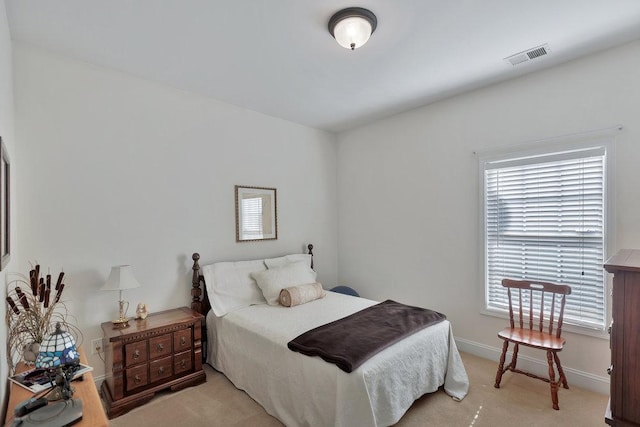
(525, 56)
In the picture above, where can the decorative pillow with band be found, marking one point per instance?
(301, 294)
(273, 280)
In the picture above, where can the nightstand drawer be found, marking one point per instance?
(162, 368)
(136, 377)
(135, 353)
(160, 346)
(182, 340)
(182, 362)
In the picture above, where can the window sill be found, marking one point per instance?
(574, 329)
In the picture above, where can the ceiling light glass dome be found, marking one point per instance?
(352, 27)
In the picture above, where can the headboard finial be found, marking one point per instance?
(310, 247)
(196, 292)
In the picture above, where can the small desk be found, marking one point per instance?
(93, 414)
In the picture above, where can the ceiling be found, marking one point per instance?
(277, 57)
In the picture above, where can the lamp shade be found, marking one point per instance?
(121, 277)
(352, 27)
(57, 349)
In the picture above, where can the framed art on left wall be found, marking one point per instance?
(5, 206)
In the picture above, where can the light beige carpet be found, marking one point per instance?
(521, 401)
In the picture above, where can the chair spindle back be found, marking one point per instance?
(532, 296)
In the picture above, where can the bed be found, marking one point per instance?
(246, 339)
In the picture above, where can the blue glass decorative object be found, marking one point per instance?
(57, 349)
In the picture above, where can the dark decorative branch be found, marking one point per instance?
(59, 291)
(41, 290)
(47, 291)
(46, 296)
(34, 282)
(15, 309)
(59, 282)
(23, 298)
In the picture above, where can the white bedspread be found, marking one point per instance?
(250, 347)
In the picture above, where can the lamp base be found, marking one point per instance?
(63, 413)
(58, 393)
(120, 323)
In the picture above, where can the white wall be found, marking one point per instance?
(7, 133)
(119, 170)
(408, 189)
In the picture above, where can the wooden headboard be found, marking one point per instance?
(199, 298)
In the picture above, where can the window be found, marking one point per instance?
(545, 218)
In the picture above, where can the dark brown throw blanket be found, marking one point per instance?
(352, 340)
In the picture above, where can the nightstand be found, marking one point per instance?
(85, 390)
(162, 351)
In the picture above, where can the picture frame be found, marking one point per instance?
(256, 213)
(5, 206)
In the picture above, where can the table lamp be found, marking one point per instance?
(120, 278)
(57, 349)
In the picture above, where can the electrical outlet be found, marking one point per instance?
(96, 346)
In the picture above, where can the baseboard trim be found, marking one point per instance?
(586, 380)
(97, 379)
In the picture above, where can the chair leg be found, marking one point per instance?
(563, 378)
(514, 356)
(501, 364)
(552, 381)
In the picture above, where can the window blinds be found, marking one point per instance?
(545, 221)
(252, 218)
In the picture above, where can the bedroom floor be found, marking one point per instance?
(520, 401)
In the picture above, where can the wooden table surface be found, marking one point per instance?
(93, 414)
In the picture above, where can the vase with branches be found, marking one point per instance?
(33, 309)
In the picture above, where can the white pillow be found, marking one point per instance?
(272, 281)
(287, 259)
(230, 286)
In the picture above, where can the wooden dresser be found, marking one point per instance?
(162, 351)
(624, 402)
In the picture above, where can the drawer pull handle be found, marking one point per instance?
(161, 370)
(160, 347)
(183, 363)
(610, 370)
(183, 340)
(136, 354)
(137, 379)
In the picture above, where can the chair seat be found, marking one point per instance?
(531, 338)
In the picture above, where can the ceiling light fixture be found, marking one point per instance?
(352, 27)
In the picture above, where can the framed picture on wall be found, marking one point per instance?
(256, 214)
(5, 207)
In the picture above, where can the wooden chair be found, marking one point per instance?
(533, 302)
